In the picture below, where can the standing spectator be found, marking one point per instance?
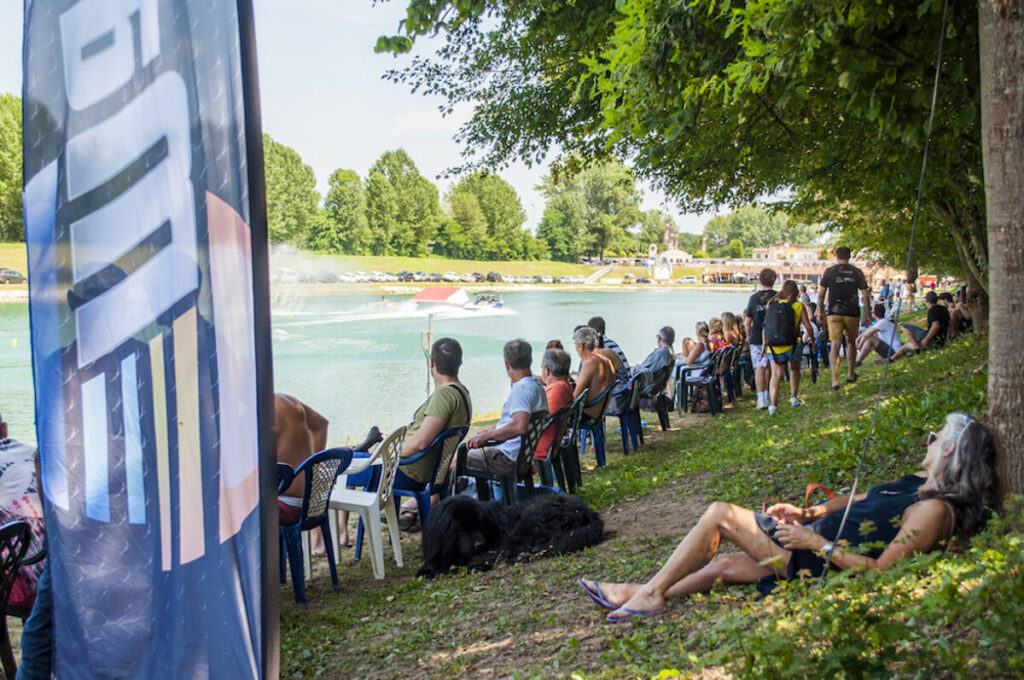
(842, 282)
(883, 293)
(753, 321)
(938, 328)
(554, 368)
(784, 316)
(622, 372)
(805, 297)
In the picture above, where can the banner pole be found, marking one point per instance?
(270, 590)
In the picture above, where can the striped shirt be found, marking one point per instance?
(614, 346)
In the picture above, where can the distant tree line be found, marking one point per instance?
(395, 210)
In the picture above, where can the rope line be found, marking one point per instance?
(899, 301)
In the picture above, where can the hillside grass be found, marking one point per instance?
(429, 265)
(13, 256)
(529, 620)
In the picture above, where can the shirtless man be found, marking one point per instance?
(301, 432)
(597, 371)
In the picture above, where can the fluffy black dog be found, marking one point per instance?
(465, 532)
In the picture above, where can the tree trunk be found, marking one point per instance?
(1001, 28)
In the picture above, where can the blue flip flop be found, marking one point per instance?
(595, 594)
(631, 613)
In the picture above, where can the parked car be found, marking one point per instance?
(285, 275)
(643, 279)
(405, 276)
(494, 277)
(466, 278)
(451, 277)
(547, 279)
(687, 279)
(433, 276)
(11, 276)
(628, 278)
(326, 277)
(419, 276)
(478, 277)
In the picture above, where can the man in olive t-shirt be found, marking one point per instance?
(447, 406)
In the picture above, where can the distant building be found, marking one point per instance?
(675, 257)
(789, 252)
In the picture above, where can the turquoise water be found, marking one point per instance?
(360, 362)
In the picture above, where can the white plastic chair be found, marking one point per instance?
(368, 504)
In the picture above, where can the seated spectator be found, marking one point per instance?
(883, 336)
(447, 406)
(597, 371)
(554, 344)
(20, 501)
(555, 372)
(606, 343)
(716, 334)
(495, 449)
(961, 320)
(949, 498)
(695, 351)
(301, 432)
(662, 355)
(935, 335)
(781, 354)
(731, 329)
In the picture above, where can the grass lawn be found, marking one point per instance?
(12, 256)
(531, 620)
(428, 265)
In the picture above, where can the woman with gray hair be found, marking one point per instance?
(949, 498)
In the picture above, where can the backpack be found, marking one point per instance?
(779, 324)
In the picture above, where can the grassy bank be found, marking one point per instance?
(428, 265)
(529, 620)
(12, 256)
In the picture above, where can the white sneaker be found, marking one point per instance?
(772, 409)
(796, 401)
(762, 403)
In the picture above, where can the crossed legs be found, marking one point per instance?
(690, 568)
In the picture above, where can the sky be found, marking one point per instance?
(322, 94)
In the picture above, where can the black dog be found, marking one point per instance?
(465, 532)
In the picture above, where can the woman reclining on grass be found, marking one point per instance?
(950, 497)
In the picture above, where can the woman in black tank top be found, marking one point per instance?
(950, 497)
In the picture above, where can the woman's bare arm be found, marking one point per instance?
(925, 525)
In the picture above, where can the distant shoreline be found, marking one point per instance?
(17, 293)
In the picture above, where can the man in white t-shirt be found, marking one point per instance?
(495, 449)
(883, 336)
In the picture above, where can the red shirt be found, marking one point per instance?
(559, 394)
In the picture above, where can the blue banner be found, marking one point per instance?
(140, 251)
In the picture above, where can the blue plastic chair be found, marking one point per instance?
(629, 418)
(321, 470)
(595, 427)
(443, 447)
(551, 469)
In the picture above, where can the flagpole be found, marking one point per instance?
(270, 590)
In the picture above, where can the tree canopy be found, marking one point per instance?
(12, 227)
(589, 212)
(720, 102)
(754, 227)
(344, 228)
(404, 206)
(293, 203)
(486, 221)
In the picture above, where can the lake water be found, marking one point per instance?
(360, 361)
